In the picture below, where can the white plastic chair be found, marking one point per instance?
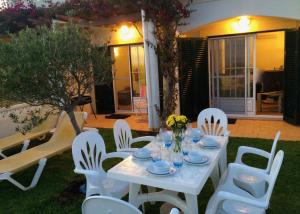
(213, 121)
(250, 150)
(109, 205)
(250, 182)
(123, 137)
(230, 199)
(174, 211)
(89, 152)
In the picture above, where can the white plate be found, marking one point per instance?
(202, 144)
(187, 160)
(170, 172)
(141, 158)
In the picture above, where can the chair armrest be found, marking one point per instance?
(122, 155)
(250, 150)
(222, 195)
(235, 167)
(141, 139)
(85, 172)
(226, 133)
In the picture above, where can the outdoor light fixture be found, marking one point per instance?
(126, 32)
(244, 22)
(241, 24)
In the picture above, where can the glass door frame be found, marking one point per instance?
(111, 47)
(250, 102)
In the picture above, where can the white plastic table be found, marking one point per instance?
(189, 180)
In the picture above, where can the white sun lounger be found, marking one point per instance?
(19, 138)
(60, 141)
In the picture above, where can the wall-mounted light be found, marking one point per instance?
(126, 32)
(244, 22)
(241, 24)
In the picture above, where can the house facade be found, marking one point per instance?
(249, 51)
(239, 56)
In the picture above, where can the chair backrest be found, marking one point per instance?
(273, 150)
(212, 121)
(89, 151)
(107, 205)
(276, 165)
(122, 135)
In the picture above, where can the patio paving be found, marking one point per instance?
(250, 128)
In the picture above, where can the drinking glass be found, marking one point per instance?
(177, 160)
(167, 138)
(159, 141)
(185, 147)
(156, 156)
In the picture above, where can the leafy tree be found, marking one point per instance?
(166, 15)
(43, 66)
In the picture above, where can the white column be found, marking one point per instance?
(151, 64)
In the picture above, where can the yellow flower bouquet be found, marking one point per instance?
(178, 124)
(177, 121)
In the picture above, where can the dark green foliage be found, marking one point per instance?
(43, 66)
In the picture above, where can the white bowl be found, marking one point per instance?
(142, 153)
(209, 142)
(160, 167)
(196, 157)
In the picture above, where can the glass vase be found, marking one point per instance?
(177, 137)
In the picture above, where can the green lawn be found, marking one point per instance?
(57, 190)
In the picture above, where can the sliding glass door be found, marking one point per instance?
(231, 74)
(129, 78)
(122, 79)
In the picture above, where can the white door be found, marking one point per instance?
(232, 74)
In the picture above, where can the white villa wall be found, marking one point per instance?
(230, 26)
(111, 35)
(7, 127)
(205, 11)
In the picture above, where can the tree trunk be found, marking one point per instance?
(74, 122)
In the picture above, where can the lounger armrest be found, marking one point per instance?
(90, 129)
(250, 150)
(141, 139)
(122, 155)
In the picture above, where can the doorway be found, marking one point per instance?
(129, 78)
(231, 65)
(269, 73)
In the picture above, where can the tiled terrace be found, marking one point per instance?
(242, 128)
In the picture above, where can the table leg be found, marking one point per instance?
(215, 176)
(223, 160)
(191, 204)
(134, 193)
